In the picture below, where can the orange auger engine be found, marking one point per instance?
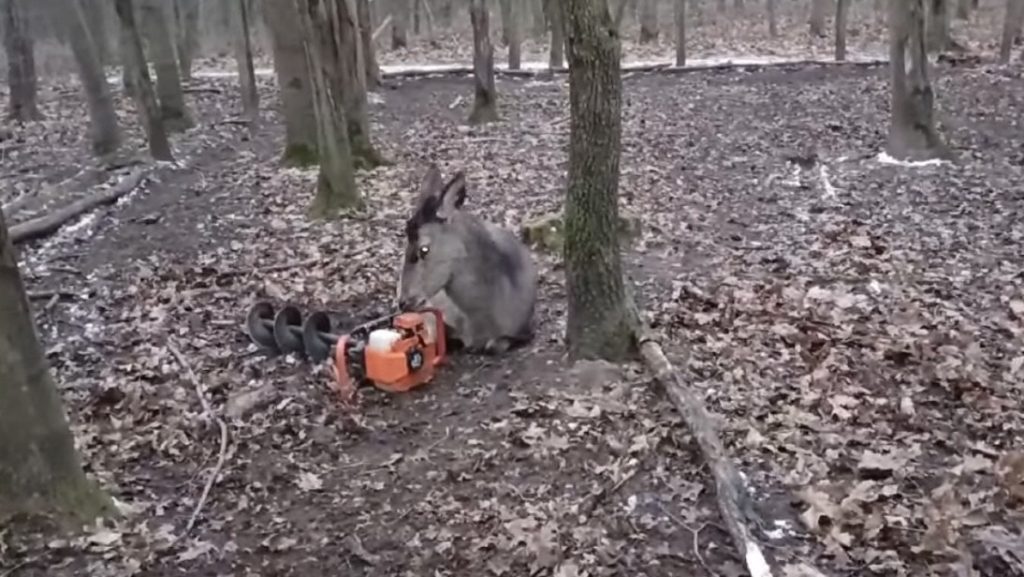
(394, 353)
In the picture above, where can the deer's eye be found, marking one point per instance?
(424, 250)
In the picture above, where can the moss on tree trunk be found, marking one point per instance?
(294, 85)
(912, 132)
(40, 471)
(350, 83)
(599, 325)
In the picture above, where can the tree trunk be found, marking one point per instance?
(963, 9)
(485, 101)
(598, 321)
(539, 17)
(399, 24)
(514, 31)
(243, 58)
(21, 62)
(557, 54)
(773, 20)
(352, 83)
(912, 132)
(817, 20)
(336, 184)
(188, 36)
(680, 16)
(938, 25)
(417, 5)
(156, 23)
(96, 22)
(842, 9)
(648, 21)
(105, 134)
(40, 471)
(145, 97)
(1011, 28)
(293, 82)
(366, 37)
(505, 6)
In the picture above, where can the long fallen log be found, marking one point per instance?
(734, 502)
(49, 223)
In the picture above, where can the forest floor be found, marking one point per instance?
(857, 325)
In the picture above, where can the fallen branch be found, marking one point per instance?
(49, 223)
(734, 502)
(44, 295)
(380, 29)
(202, 90)
(209, 414)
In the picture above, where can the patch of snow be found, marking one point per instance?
(885, 158)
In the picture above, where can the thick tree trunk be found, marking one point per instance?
(912, 132)
(293, 82)
(40, 471)
(352, 85)
(105, 134)
(599, 324)
(243, 58)
(156, 23)
(842, 10)
(505, 7)
(336, 184)
(556, 56)
(648, 21)
(366, 37)
(938, 25)
(1014, 15)
(680, 15)
(963, 9)
(512, 23)
(538, 17)
(485, 101)
(187, 18)
(399, 24)
(817, 21)
(145, 96)
(21, 62)
(96, 21)
(773, 20)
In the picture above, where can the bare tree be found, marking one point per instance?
(351, 85)
(40, 470)
(513, 27)
(1012, 21)
(399, 24)
(96, 21)
(680, 15)
(648, 21)
(842, 10)
(773, 20)
(145, 96)
(155, 20)
(485, 101)
(599, 324)
(243, 57)
(187, 20)
(105, 135)
(817, 20)
(21, 62)
(336, 184)
(293, 82)
(938, 25)
(366, 37)
(556, 56)
(912, 132)
(963, 9)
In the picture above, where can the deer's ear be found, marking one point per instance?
(453, 196)
(432, 183)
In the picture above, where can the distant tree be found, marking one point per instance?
(105, 135)
(95, 12)
(912, 132)
(963, 9)
(21, 62)
(293, 82)
(937, 25)
(556, 55)
(40, 470)
(842, 10)
(817, 20)
(773, 20)
(485, 101)
(351, 82)
(680, 16)
(648, 21)
(1014, 15)
(145, 96)
(242, 45)
(155, 20)
(366, 36)
(187, 20)
(399, 24)
(511, 23)
(336, 184)
(599, 324)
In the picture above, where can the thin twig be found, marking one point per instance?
(46, 295)
(208, 412)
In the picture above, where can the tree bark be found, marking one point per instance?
(557, 23)
(842, 10)
(512, 23)
(40, 470)
(105, 135)
(366, 37)
(96, 22)
(1014, 15)
(155, 21)
(912, 132)
(648, 21)
(336, 184)
(817, 20)
(773, 20)
(348, 56)
(680, 15)
(485, 101)
(243, 58)
(598, 321)
(293, 81)
(938, 25)
(145, 96)
(399, 24)
(187, 36)
(963, 9)
(23, 105)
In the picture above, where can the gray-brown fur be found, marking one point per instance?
(480, 275)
